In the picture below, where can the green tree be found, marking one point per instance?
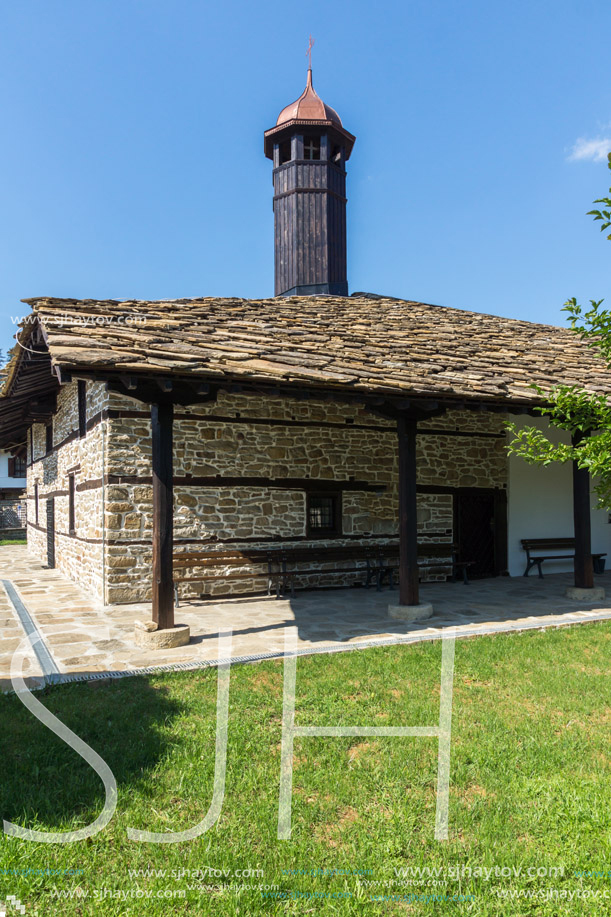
(586, 416)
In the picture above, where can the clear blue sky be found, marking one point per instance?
(132, 147)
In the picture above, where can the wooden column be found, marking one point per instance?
(408, 518)
(584, 571)
(163, 510)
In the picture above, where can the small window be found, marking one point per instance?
(324, 514)
(16, 467)
(311, 148)
(82, 408)
(36, 501)
(49, 437)
(71, 517)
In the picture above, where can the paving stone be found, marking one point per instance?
(83, 636)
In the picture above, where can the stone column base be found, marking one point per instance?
(410, 612)
(148, 636)
(595, 594)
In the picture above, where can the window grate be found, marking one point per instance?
(324, 514)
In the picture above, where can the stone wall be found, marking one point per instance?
(242, 466)
(78, 554)
(239, 436)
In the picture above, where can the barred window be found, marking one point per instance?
(324, 515)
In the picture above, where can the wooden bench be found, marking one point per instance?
(550, 544)
(389, 560)
(274, 565)
(311, 561)
(280, 567)
(213, 565)
(380, 562)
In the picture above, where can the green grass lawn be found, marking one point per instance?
(530, 784)
(13, 541)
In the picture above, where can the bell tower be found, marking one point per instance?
(309, 148)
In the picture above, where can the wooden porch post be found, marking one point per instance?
(408, 521)
(584, 571)
(163, 527)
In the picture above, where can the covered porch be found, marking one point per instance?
(406, 602)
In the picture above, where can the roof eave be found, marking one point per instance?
(270, 135)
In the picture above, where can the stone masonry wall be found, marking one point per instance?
(217, 446)
(241, 436)
(79, 555)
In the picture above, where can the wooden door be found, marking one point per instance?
(51, 532)
(475, 530)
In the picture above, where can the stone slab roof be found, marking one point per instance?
(365, 344)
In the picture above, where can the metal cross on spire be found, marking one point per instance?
(309, 52)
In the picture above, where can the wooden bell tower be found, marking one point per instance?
(309, 149)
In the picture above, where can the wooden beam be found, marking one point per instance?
(312, 485)
(584, 570)
(419, 406)
(163, 529)
(63, 376)
(408, 512)
(200, 388)
(174, 390)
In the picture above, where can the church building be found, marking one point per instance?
(317, 438)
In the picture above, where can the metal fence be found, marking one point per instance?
(12, 514)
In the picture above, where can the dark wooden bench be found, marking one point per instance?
(430, 556)
(550, 544)
(273, 565)
(214, 565)
(380, 562)
(280, 567)
(314, 561)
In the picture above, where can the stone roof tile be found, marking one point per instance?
(367, 344)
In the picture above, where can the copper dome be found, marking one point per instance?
(308, 107)
(308, 111)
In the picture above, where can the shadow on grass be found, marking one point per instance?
(44, 782)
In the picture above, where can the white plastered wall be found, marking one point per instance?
(540, 505)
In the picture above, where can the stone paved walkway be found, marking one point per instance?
(86, 638)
